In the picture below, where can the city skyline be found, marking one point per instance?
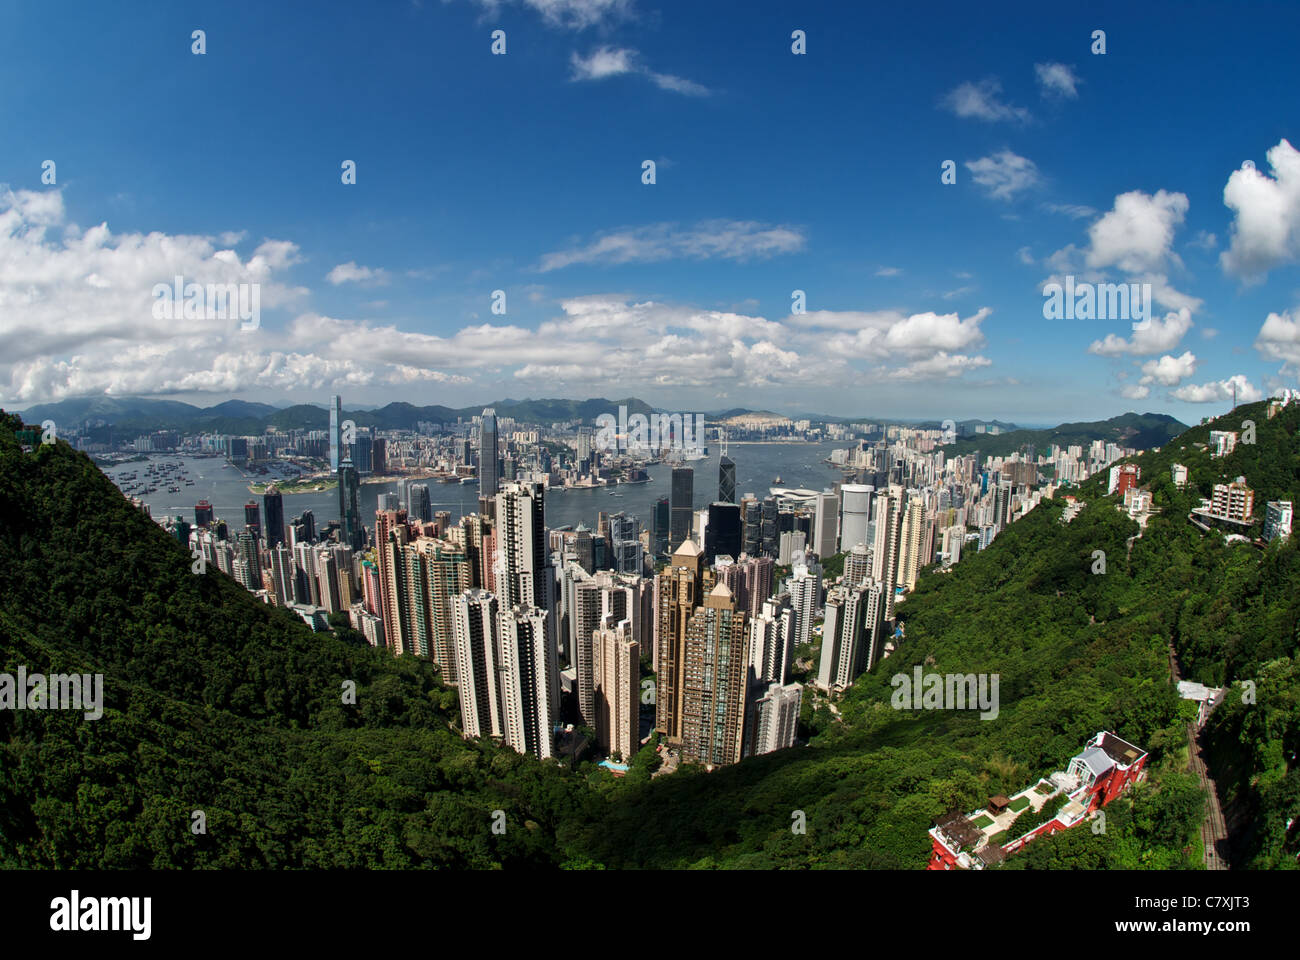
(754, 270)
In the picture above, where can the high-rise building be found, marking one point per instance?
(661, 526)
(857, 565)
(352, 533)
(202, 514)
(488, 482)
(683, 493)
(722, 534)
(771, 640)
(435, 571)
(912, 544)
(336, 426)
(774, 719)
(679, 589)
(851, 634)
(474, 639)
(253, 518)
(273, 502)
(804, 586)
(826, 525)
(715, 672)
(884, 553)
(726, 479)
(390, 538)
(855, 514)
(529, 678)
(617, 689)
(522, 566)
(418, 505)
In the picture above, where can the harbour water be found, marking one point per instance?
(757, 466)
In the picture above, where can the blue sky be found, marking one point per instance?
(775, 172)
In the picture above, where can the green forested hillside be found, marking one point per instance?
(220, 704)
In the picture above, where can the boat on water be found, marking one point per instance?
(778, 479)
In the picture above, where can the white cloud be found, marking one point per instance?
(1076, 211)
(889, 271)
(604, 62)
(1169, 371)
(1138, 233)
(941, 365)
(1149, 337)
(710, 239)
(1057, 80)
(1025, 256)
(1266, 226)
(351, 273)
(1004, 174)
(982, 101)
(1279, 339)
(1219, 391)
(1134, 392)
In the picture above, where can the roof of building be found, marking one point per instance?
(1121, 751)
(1096, 760)
(687, 549)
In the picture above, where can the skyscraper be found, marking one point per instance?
(884, 553)
(771, 640)
(390, 537)
(617, 688)
(474, 638)
(850, 634)
(826, 525)
(722, 536)
(661, 526)
(679, 590)
(273, 503)
(911, 543)
(715, 674)
(418, 505)
(336, 425)
(683, 494)
(774, 720)
(522, 567)
(489, 480)
(353, 533)
(855, 514)
(529, 678)
(253, 519)
(726, 479)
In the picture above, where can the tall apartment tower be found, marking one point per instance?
(390, 539)
(857, 565)
(774, 719)
(522, 568)
(850, 634)
(884, 554)
(488, 480)
(771, 640)
(529, 678)
(617, 688)
(804, 586)
(474, 642)
(715, 678)
(436, 570)
(679, 591)
(826, 525)
(683, 493)
(912, 543)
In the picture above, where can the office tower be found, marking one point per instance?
(661, 526)
(418, 504)
(679, 589)
(855, 514)
(273, 502)
(389, 501)
(792, 545)
(683, 493)
(626, 552)
(443, 521)
(826, 525)
(726, 479)
(1002, 506)
(488, 480)
(770, 545)
(884, 553)
(390, 537)
(953, 538)
(202, 514)
(584, 449)
(352, 532)
(857, 565)
(715, 673)
(751, 521)
(363, 452)
(529, 676)
(617, 689)
(774, 719)
(379, 456)
(771, 640)
(722, 535)
(804, 586)
(308, 523)
(336, 425)
(911, 546)
(850, 634)
(581, 549)
(343, 561)
(474, 639)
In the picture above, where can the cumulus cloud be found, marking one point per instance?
(1057, 80)
(1219, 391)
(1133, 391)
(1279, 339)
(1266, 222)
(604, 62)
(1004, 174)
(983, 101)
(1137, 234)
(711, 239)
(569, 14)
(1149, 337)
(1169, 371)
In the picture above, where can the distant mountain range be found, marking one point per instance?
(1141, 431)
